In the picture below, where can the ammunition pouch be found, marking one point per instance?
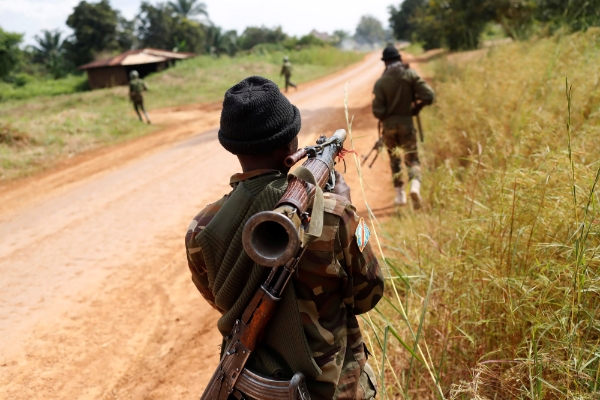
(253, 386)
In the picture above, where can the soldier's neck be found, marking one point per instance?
(252, 163)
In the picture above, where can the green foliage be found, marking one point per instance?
(339, 36)
(125, 35)
(369, 31)
(189, 8)
(94, 31)
(310, 40)
(402, 18)
(458, 24)
(463, 22)
(259, 35)
(510, 230)
(219, 42)
(155, 27)
(192, 32)
(415, 48)
(575, 14)
(50, 52)
(292, 43)
(515, 16)
(160, 27)
(493, 31)
(26, 86)
(428, 28)
(21, 80)
(9, 52)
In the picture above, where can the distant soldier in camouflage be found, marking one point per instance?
(136, 87)
(286, 71)
(399, 94)
(335, 282)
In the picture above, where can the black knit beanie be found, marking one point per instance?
(257, 118)
(390, 53)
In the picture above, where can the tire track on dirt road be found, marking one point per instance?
(97, 301)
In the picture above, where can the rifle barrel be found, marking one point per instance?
(271, 238)
(294, 158)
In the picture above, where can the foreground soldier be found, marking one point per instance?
(399, 94)
(136, 87)
(318, 332)
(286, 70)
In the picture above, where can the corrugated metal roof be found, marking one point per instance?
(136, 57)
(141, 58)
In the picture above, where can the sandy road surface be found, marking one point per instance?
(96, 300)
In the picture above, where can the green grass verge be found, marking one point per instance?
(63, 125)
(498, 279)
(32, 87)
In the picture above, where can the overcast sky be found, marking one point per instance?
(297, 17)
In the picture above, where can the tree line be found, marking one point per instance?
(459, 24)
(101, 31)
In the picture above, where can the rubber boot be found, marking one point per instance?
(400, 199)
(415, 193)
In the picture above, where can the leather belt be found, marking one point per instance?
(253, 386)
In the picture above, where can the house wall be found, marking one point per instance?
(104, 77)
(147, 69)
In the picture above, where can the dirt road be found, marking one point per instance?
(96, 299)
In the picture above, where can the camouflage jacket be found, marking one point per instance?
(336, 281)
(137, 86)
(394, 93)
(286, 69)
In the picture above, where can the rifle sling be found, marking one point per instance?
(315, 229)
(234, 279)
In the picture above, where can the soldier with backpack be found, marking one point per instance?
(399, 95)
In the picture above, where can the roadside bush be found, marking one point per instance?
(25, 86)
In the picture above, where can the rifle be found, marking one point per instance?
(416, 108)
(421, 134)
(377, 147)
(277, 239)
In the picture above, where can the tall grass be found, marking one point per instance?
(494, 289)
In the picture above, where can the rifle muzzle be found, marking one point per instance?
(271, 238)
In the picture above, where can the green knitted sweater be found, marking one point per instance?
(234, 278)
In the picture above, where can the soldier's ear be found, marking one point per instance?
(293, 145)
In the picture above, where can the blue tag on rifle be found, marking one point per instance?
(363, 234)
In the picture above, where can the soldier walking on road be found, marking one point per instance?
(286, 70)
(400, 94)
(136, 87)
(315, 329)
